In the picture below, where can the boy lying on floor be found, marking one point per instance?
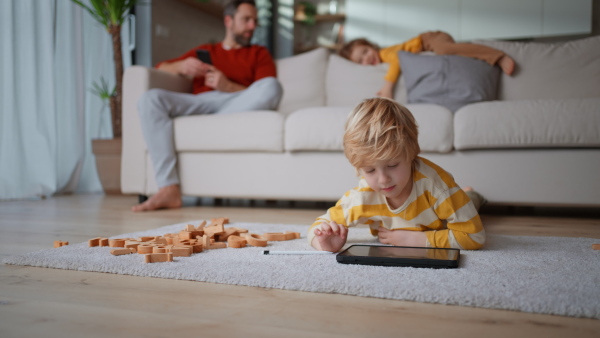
(405, 199)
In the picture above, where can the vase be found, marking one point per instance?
(108, 164)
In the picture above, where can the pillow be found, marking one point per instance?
(550, 70)
(347, 83)
(303, 80)
(451, 81)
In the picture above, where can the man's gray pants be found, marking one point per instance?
(158, 107)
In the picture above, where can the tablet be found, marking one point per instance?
(437, 258)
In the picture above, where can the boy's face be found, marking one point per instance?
(365, 55)
(391, 178)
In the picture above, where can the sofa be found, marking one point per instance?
(535, 143)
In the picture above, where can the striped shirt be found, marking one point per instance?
(436, 205)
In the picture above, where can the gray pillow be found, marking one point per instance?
(451, 81)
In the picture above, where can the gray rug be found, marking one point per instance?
(548, 275)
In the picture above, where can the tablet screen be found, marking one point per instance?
(400, 252)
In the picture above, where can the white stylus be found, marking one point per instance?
(271, 252)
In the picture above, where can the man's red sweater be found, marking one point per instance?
(242, 65)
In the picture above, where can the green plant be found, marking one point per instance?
(111, 14)
(310, 11)
(102, 91)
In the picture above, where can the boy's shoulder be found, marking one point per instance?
(431, 175)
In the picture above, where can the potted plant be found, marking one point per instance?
(111, 14)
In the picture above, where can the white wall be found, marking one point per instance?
(389, 22)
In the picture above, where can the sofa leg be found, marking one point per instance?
(142, 198)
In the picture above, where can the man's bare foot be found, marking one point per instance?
(168, 197)
(467, 188)
(507, 64)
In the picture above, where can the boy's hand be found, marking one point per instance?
(331, 237)
(402, 237)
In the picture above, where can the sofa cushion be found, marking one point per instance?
(551, 70)
(303, 80)
(528, 124)
(452, 81)
(246, 131)
(322, 128)
(347, 83)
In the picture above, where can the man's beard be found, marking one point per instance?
(242, 40)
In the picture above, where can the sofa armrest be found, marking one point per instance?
(136, 81)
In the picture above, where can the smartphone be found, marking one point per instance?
(417, 257)
(204, 56)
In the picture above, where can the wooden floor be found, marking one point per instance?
(39, 302)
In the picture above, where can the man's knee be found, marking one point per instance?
(270, 84)
(151, 99)
(270, 87)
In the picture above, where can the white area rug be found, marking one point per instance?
(549, 275)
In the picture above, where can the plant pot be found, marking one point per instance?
(108, 163)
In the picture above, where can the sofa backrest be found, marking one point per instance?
(303, 80)
(550, 70)
(319, 78)
(347, 83)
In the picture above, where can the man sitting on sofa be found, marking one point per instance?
(241, 78)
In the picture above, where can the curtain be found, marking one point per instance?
(51, 53)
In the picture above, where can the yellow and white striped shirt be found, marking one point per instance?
(436, 205)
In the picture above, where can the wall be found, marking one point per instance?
(178, 27)
(391, 21)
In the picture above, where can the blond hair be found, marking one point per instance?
(380, 129)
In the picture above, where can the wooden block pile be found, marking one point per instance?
(189, 241)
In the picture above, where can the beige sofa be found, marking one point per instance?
(538, 144)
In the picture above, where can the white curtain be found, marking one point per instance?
(51, 52)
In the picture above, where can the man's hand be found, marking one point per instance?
(192, 67)
(402, 237)
(331, 237)
(215, 79)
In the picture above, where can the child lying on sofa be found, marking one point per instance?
(364, 52)
(405, 199)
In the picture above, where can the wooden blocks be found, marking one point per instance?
(158, 257)
(275, 236)
(159, 249)
(94, 242)
(119, 252)
(190, 240)
(116, 243)
(216, 229)
(236, 242)
(145, 249)
(292, 235)
(280, 236)
(256, 240)
(219, 221)
(58, 244)
(99, 241)
(596, 246)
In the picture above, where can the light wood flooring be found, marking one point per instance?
(39, 302)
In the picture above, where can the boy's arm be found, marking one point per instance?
(464, 226)
(387, 90)
(402, 237)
